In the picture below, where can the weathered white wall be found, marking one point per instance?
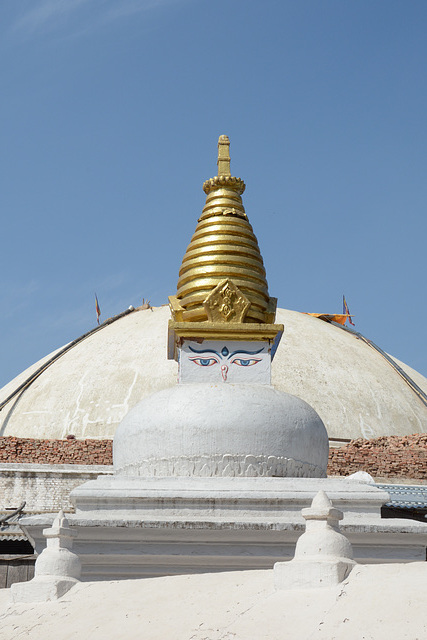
(43, 487)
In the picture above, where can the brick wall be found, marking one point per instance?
(392, 456)
(43, 472)
(385, 457)
(56, 451)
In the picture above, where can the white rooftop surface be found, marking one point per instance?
(89, 389)
(376, 602)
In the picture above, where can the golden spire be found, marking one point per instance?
(222, 276)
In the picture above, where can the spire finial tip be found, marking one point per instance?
(223, 156)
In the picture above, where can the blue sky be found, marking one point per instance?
(111, 111)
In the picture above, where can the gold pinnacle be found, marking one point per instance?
(223, 250)
(223, 156)
(222, 290)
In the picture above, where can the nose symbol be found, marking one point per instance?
(224, 371)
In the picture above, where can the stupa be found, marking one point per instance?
(212, 474)
(223, 418)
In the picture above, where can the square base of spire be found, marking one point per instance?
(201, 331)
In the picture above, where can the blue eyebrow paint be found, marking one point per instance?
(249, 353)
(203, 350)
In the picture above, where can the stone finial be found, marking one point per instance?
(223, 156)
(59, 536)
(321, 509)
(57, 568)
(323, 555)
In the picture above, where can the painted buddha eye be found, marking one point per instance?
(245, 363)
(204, 362)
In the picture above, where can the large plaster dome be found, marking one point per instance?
(89, 389)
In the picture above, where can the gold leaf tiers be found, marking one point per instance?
(223, 246)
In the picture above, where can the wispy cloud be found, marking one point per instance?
(49, 14)
(79, 16)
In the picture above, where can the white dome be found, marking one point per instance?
(232, 430)
(91, 387)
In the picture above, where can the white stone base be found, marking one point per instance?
(310, 575)
(41, 589)
(145, 527)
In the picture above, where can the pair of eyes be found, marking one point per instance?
(209, 362)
